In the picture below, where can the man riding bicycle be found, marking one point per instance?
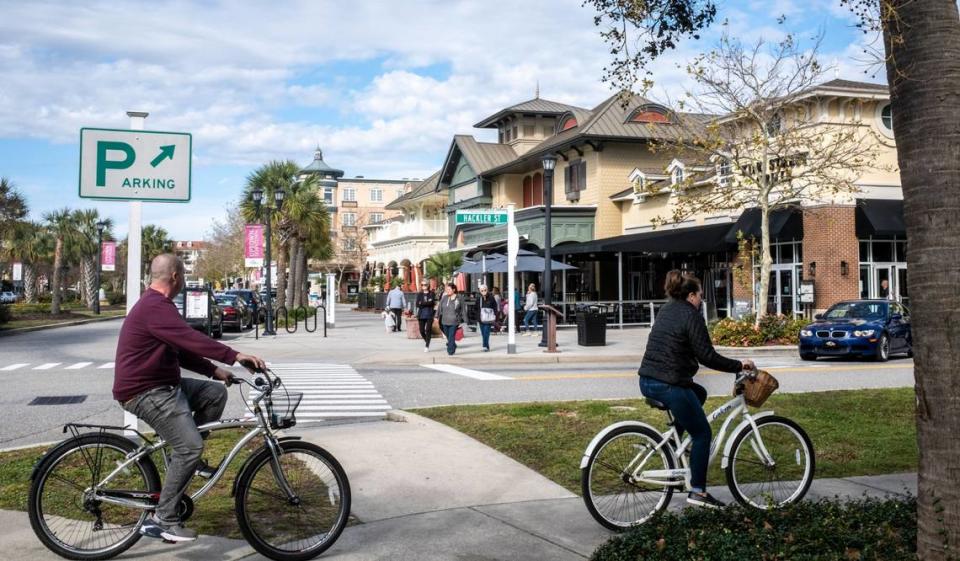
(154, 343)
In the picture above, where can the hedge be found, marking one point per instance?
(824, 530)
(773, 330)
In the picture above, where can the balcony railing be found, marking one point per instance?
(396, 230)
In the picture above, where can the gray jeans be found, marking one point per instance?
(168, 410)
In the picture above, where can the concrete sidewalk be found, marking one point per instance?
(391, 349)
(423, 491)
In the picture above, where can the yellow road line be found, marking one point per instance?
(633, 373)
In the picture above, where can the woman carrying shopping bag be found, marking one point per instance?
(488, 315)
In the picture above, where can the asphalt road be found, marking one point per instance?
(77, 361)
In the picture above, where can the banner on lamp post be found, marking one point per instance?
(253, 245)
(17, 272)
(108, 256)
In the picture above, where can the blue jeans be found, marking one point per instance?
(450, 332)
(532, 316)
(686, 405)
(485, 334)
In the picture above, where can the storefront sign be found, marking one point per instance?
(806, 292)
(253, 245)
(108, 256)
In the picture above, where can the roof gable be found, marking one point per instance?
(535, 105)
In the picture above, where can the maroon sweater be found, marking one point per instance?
(155, 342)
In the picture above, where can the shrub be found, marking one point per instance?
(774, 329)
(116, 298)
(4, 314)
(825, 530)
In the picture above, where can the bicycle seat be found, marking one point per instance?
(656, 404)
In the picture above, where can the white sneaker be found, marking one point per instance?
(426, 349)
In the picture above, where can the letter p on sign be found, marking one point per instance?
(104, 147)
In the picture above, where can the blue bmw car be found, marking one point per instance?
(872, 329)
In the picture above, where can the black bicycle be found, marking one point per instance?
(90, 494)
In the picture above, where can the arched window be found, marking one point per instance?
(885, 119)
(567, 123)
(527, 191)
(650, 114)
(537, 189)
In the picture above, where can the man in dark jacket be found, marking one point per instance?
(154, 343)
(676, 346)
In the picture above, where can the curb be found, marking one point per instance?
(55, 325)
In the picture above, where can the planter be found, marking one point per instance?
(413, 328)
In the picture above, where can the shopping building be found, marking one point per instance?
(603, 210)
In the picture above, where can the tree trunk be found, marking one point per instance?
(281, 273)
(294, 265)
(302, 273)
(766, 262)
(55, 278)
(922, 41)
(84, 300)
(29, 283)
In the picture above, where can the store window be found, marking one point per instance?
(376, 217)
(376, 195)
(349, 194)
(349, 219)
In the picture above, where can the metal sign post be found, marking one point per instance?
(331, 299)
(513, 248)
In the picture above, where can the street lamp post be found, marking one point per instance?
(257, 197)
(96, 292)
(549, 163)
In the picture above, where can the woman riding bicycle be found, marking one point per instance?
(677, 343)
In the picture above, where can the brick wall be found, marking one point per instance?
(829, 238)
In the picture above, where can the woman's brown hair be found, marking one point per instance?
(680, 285)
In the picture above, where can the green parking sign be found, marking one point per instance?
(135, 165)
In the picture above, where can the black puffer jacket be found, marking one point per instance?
(677, 342)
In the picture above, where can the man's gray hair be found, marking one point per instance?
(482, 287)
(164, 266)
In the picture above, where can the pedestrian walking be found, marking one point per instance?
(451, 316)
(395, 303)
(532, 311)
(426, 310)
(488, 315)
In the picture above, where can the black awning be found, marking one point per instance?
(880, 217)
(695, 239)
(785, 223)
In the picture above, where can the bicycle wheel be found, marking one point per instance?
(293, 530)
(756, 482)
(62, 510)
(612, 497)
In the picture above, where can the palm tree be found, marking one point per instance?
(87, 249)
(154, 241)
(29, 245)
(442, 265)
(302, 221)
(13, 207)
(63, 229)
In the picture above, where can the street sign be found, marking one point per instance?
(135, 165)
(481, 217)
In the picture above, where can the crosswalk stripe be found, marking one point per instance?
(78, 366)
(105, 366)
(14, 366)
(47, 366)
(460, 371)
(330, 391)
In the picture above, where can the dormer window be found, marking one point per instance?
(676, 178)
(649, 114)
(567, 123)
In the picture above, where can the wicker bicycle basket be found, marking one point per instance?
(756, 390)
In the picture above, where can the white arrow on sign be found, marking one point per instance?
(135, 165)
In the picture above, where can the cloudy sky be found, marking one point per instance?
(381, 85)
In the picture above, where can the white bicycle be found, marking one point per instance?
(630, 470)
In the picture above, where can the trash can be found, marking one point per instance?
(592, 326)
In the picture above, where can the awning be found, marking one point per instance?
(695, 239)
(785, 223)
(880, 217)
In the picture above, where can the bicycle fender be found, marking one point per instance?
(743, 424)
(233, 489)
(596, 439)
